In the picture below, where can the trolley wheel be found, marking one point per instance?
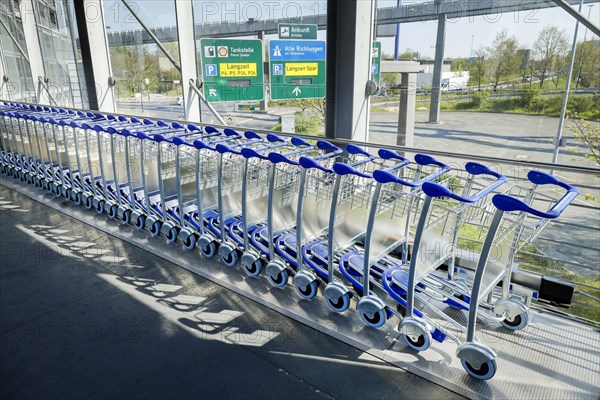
(172, 235)
(155, 228)
(341, 304)
(189, 243)
(76, 198)
(485, 371)
(517, 323)
(140, 222)
(230, 259)
(281, 279)
(376, 321)
(89, 203)
(100, 207)
(418, 343)
(310, 291)
(255, 268)
(112, 211)
(209, 250)
(126, 218)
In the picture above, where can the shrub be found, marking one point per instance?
(528, 96)
(481, 99)
(308, 123)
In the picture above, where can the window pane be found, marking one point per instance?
(20, 85)
(147, 82)
(290, 93)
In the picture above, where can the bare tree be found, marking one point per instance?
(550, 46)
(503, 57)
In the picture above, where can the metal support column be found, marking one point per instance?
(4, 80)
(34, 50)
(349, 42)
(436, 85)
(565, 100)
(406, 116)
(95, 55)
(264, 103)
(187, 57)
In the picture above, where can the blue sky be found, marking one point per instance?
(419, 36)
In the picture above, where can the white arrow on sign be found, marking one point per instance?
(297, 91)
(212, 92)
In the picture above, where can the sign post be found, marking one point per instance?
(297, 31)
(232, 70)
(297, 69)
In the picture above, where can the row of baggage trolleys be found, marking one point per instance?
(376, 227)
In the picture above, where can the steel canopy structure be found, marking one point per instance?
(428, 11)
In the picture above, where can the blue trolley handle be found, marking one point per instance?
(508, 203)
(274, 142)
(434, 189)
(385, 176)
(302, 146)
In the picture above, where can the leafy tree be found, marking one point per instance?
(550, 46)
(478, 69)
(389, 80)
(459, 64)
(409, 54)
(560, 69)
(588, 134)
(503, 57)
(587, 58)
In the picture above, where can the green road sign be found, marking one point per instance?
(297, 69)
(232, 69)
(297, 31)
(376, 63)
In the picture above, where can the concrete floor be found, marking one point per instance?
(85, 315)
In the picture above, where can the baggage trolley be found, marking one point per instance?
(163, 202)
(238, 167)
(269, 206)
(360, 213)
(317, 191)
(517, 220)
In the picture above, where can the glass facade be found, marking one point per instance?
(19, 86)
(56, 44)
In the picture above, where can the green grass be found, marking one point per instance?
(378, 109)
(531, 259)
(586, 107)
